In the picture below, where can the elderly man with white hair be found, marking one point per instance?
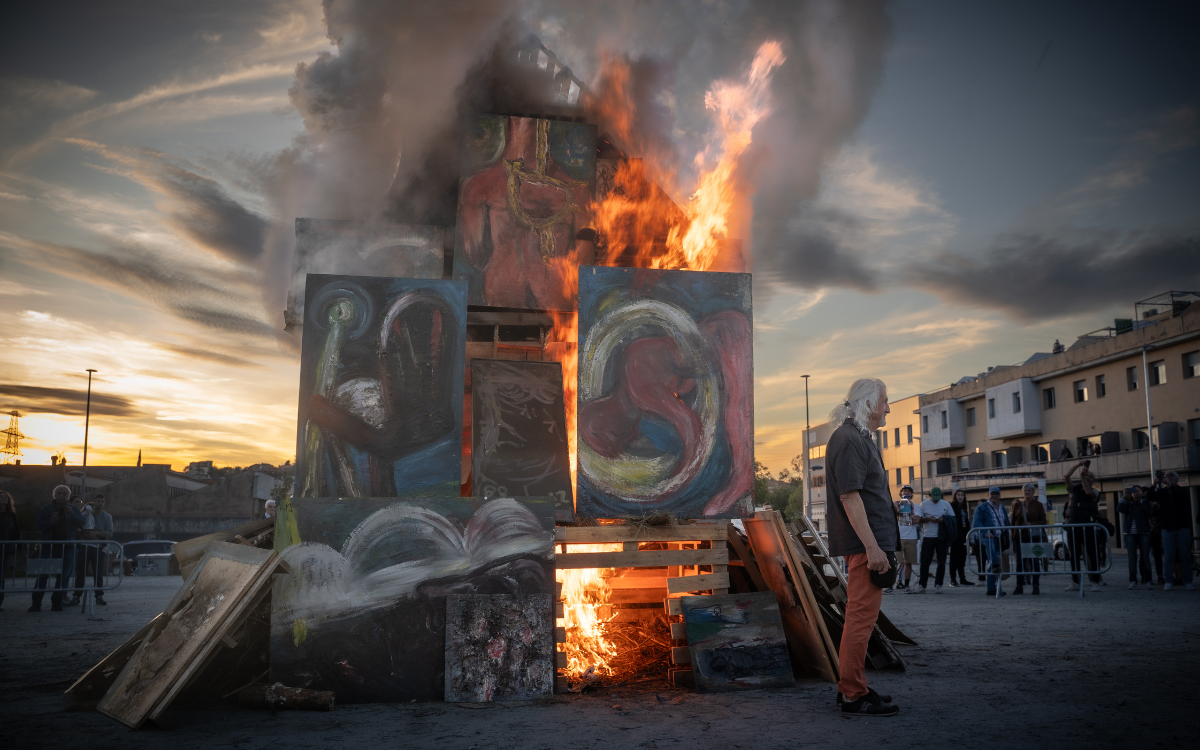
(863, 528)
(59, 521)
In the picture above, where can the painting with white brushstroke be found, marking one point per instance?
(518, 430)
(363, 611)
(381, 385)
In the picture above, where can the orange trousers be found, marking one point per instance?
(862, 610)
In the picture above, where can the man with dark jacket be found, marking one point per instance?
(1028, 511)
(958, 548)
(58, 521)
(1083, 508)
(1175, 517)
(1136, 531)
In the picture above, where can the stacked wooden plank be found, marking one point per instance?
(655, 564)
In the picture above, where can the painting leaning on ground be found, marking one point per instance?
(665, 393)
(381, 384)
(364, 611)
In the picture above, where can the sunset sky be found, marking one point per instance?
(942, 187)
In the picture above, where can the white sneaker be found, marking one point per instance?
(1095, 587)
(937, 589)
(1132, 585)
(920, 589)
(1072, 587)
(910, 589)
(1168, 586)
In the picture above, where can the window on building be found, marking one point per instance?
(896, 442)
(883, 437)
(912, 474)
(1048, 401)
(1041, 453)
(1141, 438)
(945, 421)
(1193, 431)
(924, 423)
(1191, 365)
(991, 408)
(818, 481)
(1087, 446)
(1101, 388)
(1080, 389)
(1131, 378)
(817, 451)
(898, 480)
(1016, 403)
(964, 463)
(931, 466)
(999, 459)
(971, 417)
(1158, 372)
(909, 434)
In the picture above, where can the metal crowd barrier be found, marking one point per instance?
(35, 565)
(1057, 549)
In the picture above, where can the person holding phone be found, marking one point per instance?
(1175, 517)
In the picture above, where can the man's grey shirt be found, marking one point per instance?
(852, 462)
(104, 522)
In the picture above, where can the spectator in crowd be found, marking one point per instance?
(906, 512)
(10, 531)
(1065, 454)
(1028, 511)
(59, 521)
(863, 529)
(931, 515)
(1082, 507)
(1136, 529)
(1175, 515)
(958, 548)
(1156, 550)
(269, 509)
(95, 556)
(991, 515)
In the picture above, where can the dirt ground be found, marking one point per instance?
(1051, 671)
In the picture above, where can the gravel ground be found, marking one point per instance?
(1116, 667)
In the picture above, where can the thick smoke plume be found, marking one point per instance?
(381, 111)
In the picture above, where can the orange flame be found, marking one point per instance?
(584, 594)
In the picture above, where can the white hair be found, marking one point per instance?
(860, 403)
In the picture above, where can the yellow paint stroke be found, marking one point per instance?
(299, 631)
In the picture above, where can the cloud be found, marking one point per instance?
(1032, 275)
(65, 401)
(210, 356)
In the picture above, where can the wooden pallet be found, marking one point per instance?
(695, 560)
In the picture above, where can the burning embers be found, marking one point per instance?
(585, 598)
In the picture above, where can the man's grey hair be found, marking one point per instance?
(858, 405)
(1029, 486)
(62, 487)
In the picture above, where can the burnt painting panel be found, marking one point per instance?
(666, 393)
(736, 642)
(363, 612)
(518, 430)
(525, 193)
(499, 647)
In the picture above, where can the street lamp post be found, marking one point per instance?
(87, 418)
(807, 461)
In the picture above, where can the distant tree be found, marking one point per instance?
(798, 466)
(795, 503)
(785, 475)
(762, 486)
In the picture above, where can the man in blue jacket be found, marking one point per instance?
(988, 516)
(58, 521)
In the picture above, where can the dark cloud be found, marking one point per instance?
(204, 212)
(1031, 275)
(810, 253)
(190, 292)
(210, 356)
(70, 402)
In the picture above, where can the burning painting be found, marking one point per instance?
(525, 192)
(363, 612)
(736, 642)
(499, 647)
(665, 396)
(381, 384)
(519, 430)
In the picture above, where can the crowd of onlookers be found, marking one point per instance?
(63, 519)
(1156, 526)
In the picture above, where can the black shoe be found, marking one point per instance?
(965, 582)
(864, 706)
(74, 601)
(100, 601)
(56, 608)
(1018, 590)
(1036, 590)
(34, 608)
(871, 696)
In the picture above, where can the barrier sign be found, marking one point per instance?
(1037, 550)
